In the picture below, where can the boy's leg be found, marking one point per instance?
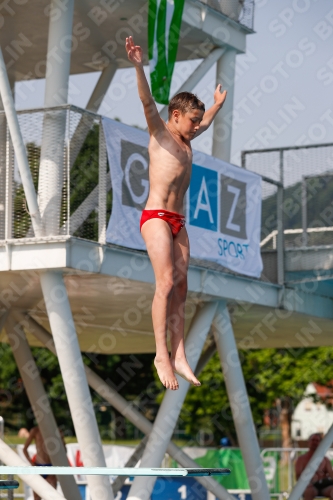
(181, 257)
(159, 243)
(52, 480)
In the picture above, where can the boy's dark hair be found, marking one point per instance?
(184, 101)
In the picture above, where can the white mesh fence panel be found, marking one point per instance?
(79, 189)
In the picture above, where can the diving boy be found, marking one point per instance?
(162, 222)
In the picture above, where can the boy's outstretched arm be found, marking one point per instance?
(154, 121)
(210, 114)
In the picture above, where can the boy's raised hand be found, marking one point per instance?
(219, 97)
(134, 52)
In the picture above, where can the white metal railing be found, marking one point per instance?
(289, 457)
(273, 234)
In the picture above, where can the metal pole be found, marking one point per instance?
(169, 410)
(204, 358)
(312, 466)
(225, 74)
(101, 87)
(304, 213)
(50, 181)
(197, 75)
(3, 319)
(131, 462)
(102, 186)
(4, 167)
(2, 427)
(37, 483)
(9, 188)
(40, 403)
(19, 148)
(93, 104)
(128, 411)
(280, 227)
(3, 176)
(75, 381)
(239, 403)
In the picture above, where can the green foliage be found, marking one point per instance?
(14, 404)
(129, 375)
(270, 374)
(13, 400)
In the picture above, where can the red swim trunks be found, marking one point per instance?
(175, 221)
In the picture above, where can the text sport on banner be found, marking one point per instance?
(222, 206)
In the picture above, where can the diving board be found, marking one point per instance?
(8, 485)
(106, 471)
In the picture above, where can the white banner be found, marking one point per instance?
(223, 202)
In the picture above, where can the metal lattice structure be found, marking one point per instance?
(303, 217)
(306, 173)
(85, 182)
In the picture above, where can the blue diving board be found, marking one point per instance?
(8, 484)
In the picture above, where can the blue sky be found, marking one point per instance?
(284, 85)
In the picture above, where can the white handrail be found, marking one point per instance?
(273, 234)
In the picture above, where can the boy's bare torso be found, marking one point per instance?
(42, 456)
(169, 171)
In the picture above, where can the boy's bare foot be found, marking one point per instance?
(182, 368)
(165, 373)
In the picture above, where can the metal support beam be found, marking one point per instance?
(196, 76)
(222, 131)
(84, 210)
(3, 163)
(93, 104)
(205, 357)
(131, 462)
(280, 225)
(170, 408)
(19, 148)
(75, 381)
(50, 181)
(304, 212)
(37, 483)
(3, 320)
(239, 403)
(312, 466)
(40, 403)
(102, 87)
(9, 215)
(103, 184)
(129, 411)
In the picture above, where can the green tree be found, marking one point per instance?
(130, 375)
(273, 377)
